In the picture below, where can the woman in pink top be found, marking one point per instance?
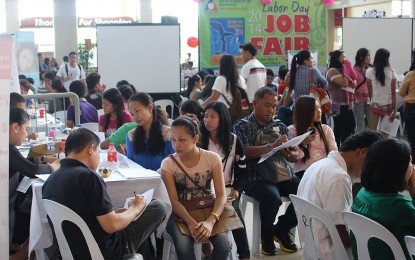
(361, 104)
(307, 116)
(115, 115)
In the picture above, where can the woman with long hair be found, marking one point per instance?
(382, 88)
(227, 83)
(307, 117)
(149, 143)
(216, 136)
(361, 103)
(386, 172)
(114, 114)
(407, 92)
(58, 104)
(189, 174)
(300, 75)
(344, 121)
(192, 108)
(194, 85)
(19, 167)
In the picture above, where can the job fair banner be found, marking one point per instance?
(274, 29)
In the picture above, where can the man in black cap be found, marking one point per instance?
(253, 71)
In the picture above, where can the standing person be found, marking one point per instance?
(300, 77)
(118, 232)
(185, 170)
(253, 71)
(344, 121)
(216, 136)
(95, 89)
(361, 94)
(407, 91)
(114, 114)
(149, 143)
(382, 89)
(328, 184)
(89, 113)
(273, 178)
(229, 87)
(379, 198)
(71, 71)
(307, 117)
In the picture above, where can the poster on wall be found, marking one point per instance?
(6, 57)
(274, 29)
(26, 56)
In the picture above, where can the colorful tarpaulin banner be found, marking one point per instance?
(274, 29)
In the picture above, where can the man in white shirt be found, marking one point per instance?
(328, 184)
(253, 71)
(71, 71)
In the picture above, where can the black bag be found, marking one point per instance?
(24, 201)
(276, 168)
(239, 108)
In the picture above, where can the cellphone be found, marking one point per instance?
(313, 130)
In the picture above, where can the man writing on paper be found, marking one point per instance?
(77, 186)
(273, 178)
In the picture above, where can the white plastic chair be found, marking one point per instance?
(365, 228)
(410, 245)
(91, 126)
(59, 213)
(164, 103)
(100, 112)
(197, 248)
(306, 213)
(256, 219)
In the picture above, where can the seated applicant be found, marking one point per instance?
(77, 186)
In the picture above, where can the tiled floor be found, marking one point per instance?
(280, 255)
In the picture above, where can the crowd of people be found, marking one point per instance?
(212, 149)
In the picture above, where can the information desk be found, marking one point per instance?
(119, 189)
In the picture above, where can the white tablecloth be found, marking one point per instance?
(41, 232)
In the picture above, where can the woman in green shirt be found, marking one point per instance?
(386, 172)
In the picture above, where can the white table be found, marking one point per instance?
(40, 231)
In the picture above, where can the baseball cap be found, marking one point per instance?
(249, 47)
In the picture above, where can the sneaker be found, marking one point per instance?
(268, 247)
(286, 244)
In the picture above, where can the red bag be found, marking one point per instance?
(321, 95)
(378, 111)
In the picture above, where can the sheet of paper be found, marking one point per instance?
(290, 143)
(115, 176)
(148, 196)
(43, 177)
(390, 128)
(137, 173)
(25, 184)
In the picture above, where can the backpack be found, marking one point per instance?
(276, 168)
(80, 70)
(239, 108)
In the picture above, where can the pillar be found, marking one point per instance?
(12, 16)
(65, 27)
(146, 13)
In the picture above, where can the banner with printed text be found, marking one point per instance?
(274, 29)
(6, 62)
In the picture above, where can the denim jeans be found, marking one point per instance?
(269, 196)
(360, 110)
(409, 117)
(344, 125)
(136, 233)
(239, 235)
(185, 248)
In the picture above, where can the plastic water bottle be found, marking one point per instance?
(112, 153)
(51, 132)
(51, 145)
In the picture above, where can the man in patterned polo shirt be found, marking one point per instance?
(265, 185)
